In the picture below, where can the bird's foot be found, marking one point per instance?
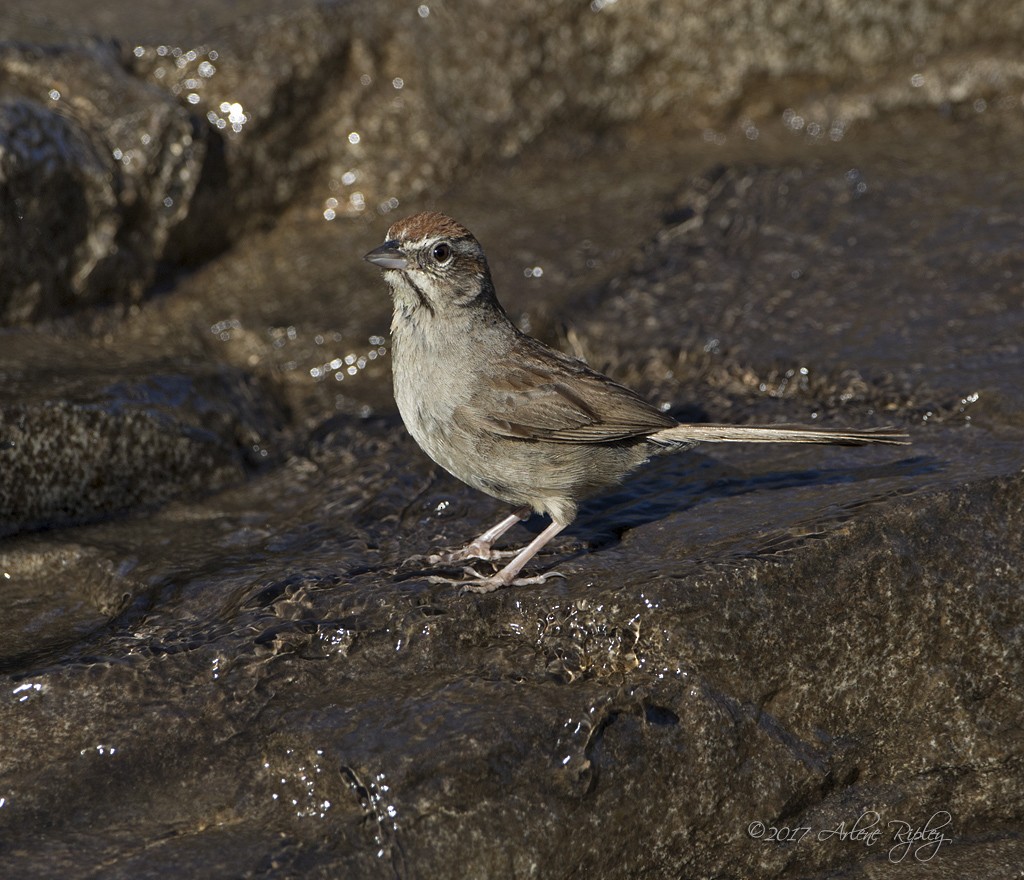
(489, 585)
(473, 581)
(508, 576)
(473, 550)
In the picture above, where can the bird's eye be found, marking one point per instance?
(442, 252)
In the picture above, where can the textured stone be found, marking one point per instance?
(74, 454)
(96, 170)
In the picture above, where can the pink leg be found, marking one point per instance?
(507, 576)
(480, 547)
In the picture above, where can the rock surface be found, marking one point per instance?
(222, 652)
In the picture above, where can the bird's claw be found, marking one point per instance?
(470, 551)
(474, 582)
(489, 584)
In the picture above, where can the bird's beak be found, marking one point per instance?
(387, 256)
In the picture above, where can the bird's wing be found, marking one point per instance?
(550, 396)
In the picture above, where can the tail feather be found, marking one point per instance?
(690, 434)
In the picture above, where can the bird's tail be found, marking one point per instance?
(690, 434)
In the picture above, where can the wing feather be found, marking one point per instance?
(535, 400)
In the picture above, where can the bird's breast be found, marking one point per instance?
(432, 377)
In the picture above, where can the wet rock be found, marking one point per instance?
(80, 580)
(294, 306)
(761, 287)
(104, 443)
(344, 109)
(680, 711)
(96, 171)
(340, 109)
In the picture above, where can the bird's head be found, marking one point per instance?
(432, 263)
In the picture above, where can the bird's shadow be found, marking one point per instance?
(678, 483)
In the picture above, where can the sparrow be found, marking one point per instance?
(509, 415)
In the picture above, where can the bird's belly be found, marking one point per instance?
(549, 478)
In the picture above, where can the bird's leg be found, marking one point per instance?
(480, 547)
(507, 576)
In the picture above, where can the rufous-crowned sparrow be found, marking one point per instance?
(507, 414)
